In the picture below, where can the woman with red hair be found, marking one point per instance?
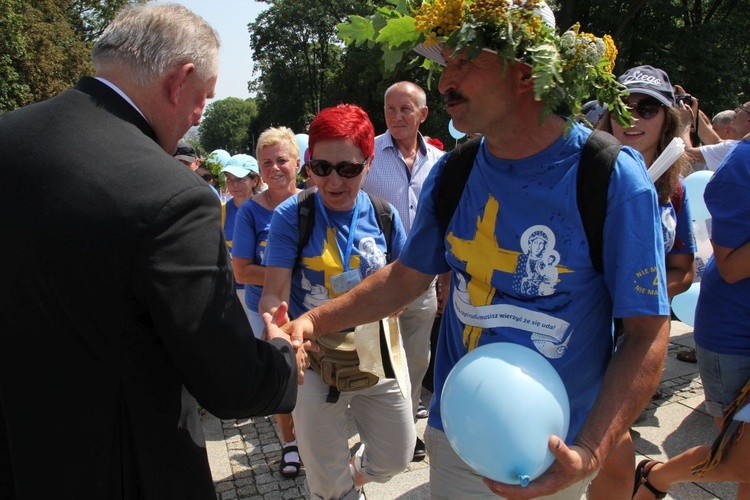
(345, 244)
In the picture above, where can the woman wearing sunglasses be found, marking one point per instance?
(655, 123)
(345, 245)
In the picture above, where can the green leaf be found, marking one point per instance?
(358, 30)
(391, 58)
(398, 32)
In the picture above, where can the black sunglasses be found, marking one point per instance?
(741, 108)
(346, 169)
(646, 108)
(207, 177)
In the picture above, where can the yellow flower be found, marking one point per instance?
(610, 52)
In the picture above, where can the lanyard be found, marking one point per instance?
(352, 229)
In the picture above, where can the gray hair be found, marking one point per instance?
(412, 88)
(724, 118)
(148, 40)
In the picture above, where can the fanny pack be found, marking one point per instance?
(337, 363)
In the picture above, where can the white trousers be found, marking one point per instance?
(383, 418)
(416, 326)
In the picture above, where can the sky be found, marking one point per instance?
(230, 19)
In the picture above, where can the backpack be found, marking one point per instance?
(306, 218)
(595, 168)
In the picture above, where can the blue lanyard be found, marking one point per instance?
(352, 229)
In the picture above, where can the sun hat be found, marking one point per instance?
(185, 152)
(241, 165)
(650, 81)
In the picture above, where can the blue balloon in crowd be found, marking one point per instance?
(456, 134)
(500, 405)
(221, 156)
(695, 184)
(683, 305)
(302, 144)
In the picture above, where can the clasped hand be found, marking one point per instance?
(302, 344)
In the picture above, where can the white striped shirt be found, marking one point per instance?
(389, 178)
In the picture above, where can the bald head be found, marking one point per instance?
(409, 88)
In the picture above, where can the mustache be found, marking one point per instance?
(453, 97)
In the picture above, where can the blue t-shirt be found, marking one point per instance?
(521, 266)
(250, 235)
(321, 258)
(231, 214)
(723, 312)
(677, 229)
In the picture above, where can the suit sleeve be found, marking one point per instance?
(185, 275)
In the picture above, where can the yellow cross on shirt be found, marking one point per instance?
(329, 261)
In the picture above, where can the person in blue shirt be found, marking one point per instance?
(520, 201)
(656, 123)
(278, 156)
(722, 339)
(346, 244)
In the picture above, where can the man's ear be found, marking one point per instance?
(177, 79)
(423, 112)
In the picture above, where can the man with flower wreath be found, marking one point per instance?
(509, 76)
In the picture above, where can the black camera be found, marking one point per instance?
(686, 98)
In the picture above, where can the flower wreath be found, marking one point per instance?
(567, 69)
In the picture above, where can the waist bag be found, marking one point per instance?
(337, 363)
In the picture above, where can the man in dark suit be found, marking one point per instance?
(118, 303)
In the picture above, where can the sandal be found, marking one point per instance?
(295, 464)
(687, 356)
(641, 478)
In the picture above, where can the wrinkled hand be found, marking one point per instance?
(571, 465)
(301, 331)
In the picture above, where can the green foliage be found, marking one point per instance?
(45, 45)
(225, 125)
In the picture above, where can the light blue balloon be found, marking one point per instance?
(456, 134)
(695, 185)
(302, 141)
(221, 156)
(500, 405)
(683, 305)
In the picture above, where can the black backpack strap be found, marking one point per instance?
(453, 180)
(596, 166)
(384, 215)
(305, 217)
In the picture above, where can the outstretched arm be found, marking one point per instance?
(380, 295)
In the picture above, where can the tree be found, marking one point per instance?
(225, 125)
(297, 54)
(699, 43)
(46, 45)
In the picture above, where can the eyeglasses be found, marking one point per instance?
(646, 108)
(346, 169)
(742, 109)
(207, 177)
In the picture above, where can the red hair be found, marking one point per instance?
(345, 121)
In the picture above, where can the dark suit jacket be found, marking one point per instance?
(117, 303)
